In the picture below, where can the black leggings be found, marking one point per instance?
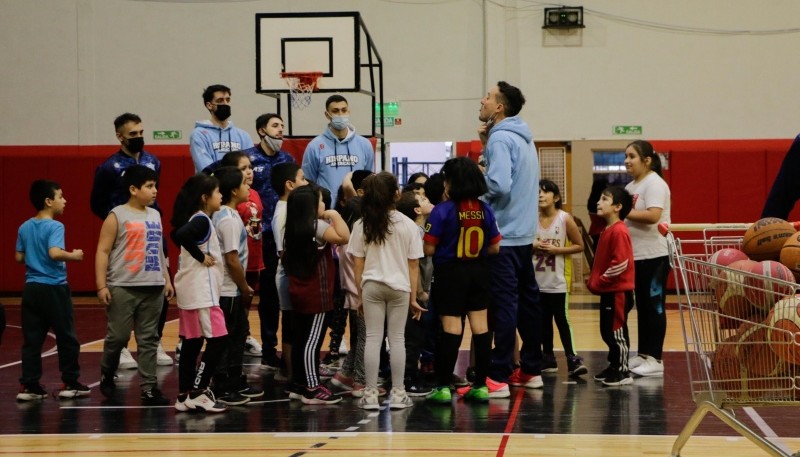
(650, 293)
(554, 307)
(194, 376)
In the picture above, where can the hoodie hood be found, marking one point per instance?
(211, 126)
(516, 125)
(351, 132)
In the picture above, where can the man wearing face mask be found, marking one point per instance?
(108, 193)
(212, 139)
(263, 157)
(338, 151)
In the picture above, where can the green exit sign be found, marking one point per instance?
(627, 130)
(167, 134)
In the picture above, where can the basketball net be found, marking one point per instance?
(301, 86)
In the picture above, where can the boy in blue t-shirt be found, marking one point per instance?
(46, 299)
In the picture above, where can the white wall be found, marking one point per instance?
(70, 66)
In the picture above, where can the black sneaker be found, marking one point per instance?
(154, 397)
(470, 375)
(232, 398)
(30, 392)
(549, 364)
(458, 381)
(271, 361)
(576, 366)
(294, 390)
(416, 389)
(599, 377)
(618, 378)
(73, 390)
(245, 389)
(107, 385)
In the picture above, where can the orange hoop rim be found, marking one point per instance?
(309, 78)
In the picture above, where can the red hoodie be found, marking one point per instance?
(613, 262)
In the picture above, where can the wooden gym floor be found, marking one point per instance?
(566, 418)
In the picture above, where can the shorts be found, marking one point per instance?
(460, 287)
(202, 323)
(282, 284)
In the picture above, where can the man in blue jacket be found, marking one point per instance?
(338, 151)
(212, 139)
(512, 176)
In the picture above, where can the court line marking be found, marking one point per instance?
(512, 418)
(766, 429)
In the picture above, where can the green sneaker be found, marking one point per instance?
(479, 394)
(440, 395)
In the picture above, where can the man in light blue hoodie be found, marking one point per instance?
(212, 139)
(512, 176)
(338, 151)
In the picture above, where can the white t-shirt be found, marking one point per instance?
(553, 272)
(279, 224)
(650, 192)
(387, 263)
(232, 237)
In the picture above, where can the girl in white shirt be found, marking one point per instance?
(386, 249)
(651, 206)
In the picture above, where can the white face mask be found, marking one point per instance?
(340, 122)
(274, 143)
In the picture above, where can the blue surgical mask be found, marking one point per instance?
(340, 122)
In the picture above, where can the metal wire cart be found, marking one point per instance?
(742, 331)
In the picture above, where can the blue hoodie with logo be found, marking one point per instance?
(209, 142)
(327, 159)
(512, 176)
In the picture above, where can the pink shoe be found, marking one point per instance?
(496, 389)
(529, 381)
(343, 382)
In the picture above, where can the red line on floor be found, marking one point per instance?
(512, 418)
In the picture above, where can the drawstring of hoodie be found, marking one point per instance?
(336, 154)
(216, 156)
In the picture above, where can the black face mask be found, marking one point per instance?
(135, 145)
(223, 112)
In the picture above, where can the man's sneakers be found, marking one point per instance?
(162, 358)
(31, 392)
(647, 366)
(107, 385)
(74, 390)
(398, 399)
(126, 360)
(251, 347)
(320, 395)
(529, 381)
(153, 397)
(617, 378)
(203, 400)
(440, 395)
(232, 398)
(575, 366)
(270, 362)
(369, 399)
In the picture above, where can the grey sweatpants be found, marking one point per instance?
(382, 303)
(140, 307)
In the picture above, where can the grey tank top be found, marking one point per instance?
(137, 258)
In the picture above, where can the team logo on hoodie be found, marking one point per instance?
(343, 160)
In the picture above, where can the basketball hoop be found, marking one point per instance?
(301, 85)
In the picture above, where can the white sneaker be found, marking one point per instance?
(343, 348)
(634, 362)
(649, 367)
(399, 399)
(126, 360)
(369, 400)
(204, 400)
(162, 358)
(251, 347)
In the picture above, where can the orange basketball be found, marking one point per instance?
(766, 374)
(761, 290)
(730, 292)
(790, 254)
(726, 368)
(784, 331)
(724, 257)
(765, 238)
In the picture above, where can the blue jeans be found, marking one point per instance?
(515, 306)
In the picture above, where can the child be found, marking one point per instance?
(308, 263)
(230, 384)
(285, 178)
(416, 207)
(612, 278)
(461, 234)
(251, 212)
(197, 286)
(46, 299)
(132, 281)
(386, 248)
(557, 238)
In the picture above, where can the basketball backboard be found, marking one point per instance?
(308, 42)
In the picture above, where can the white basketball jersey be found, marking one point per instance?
(553, 272)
